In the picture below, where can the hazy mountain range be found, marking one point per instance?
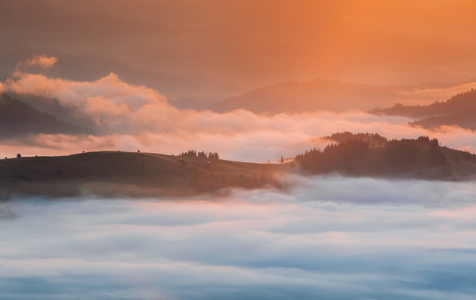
(335, 95)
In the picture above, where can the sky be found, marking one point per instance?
(206, 51)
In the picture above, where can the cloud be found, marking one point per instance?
(39, 60)
(331, 237)
(78, 93)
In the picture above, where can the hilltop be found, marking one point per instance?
(367, 154)
(130, 174)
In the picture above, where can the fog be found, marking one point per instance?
(329, 237)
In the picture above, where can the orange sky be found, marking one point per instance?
(214, 48)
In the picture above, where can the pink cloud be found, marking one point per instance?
(38, 60)
(99, 105)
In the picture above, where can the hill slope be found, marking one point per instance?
(129, 174)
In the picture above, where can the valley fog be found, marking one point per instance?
(329, 237)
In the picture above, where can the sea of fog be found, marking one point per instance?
(324, 238)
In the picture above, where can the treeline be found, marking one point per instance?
(407, 151)
(355, 156)
(203, 154)
(373, 139)
(343, 156)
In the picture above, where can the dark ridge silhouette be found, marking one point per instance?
(420, 158)
(18, 119)
(459, 110)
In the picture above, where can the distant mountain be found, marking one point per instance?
(459, 103)
(18, 119)
(459, 110)
(328, 94)
(63, 112)
(309, 96)
(465, 119)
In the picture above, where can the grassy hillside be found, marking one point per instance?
(129, 174)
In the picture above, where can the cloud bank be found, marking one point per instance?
(331, 238)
